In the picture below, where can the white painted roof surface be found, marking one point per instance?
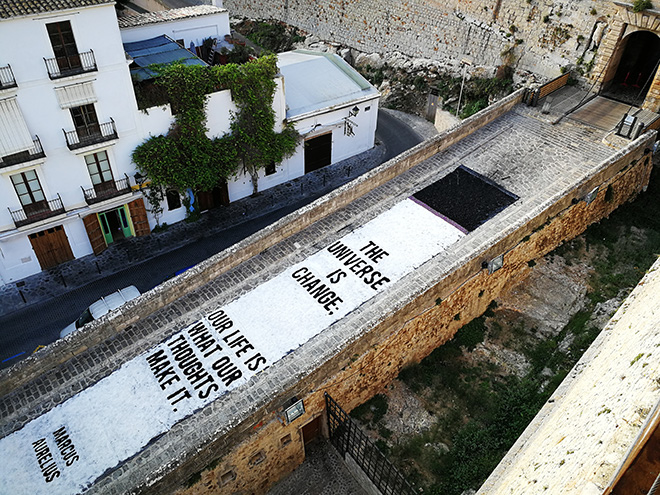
(315, 81)
(583, 434)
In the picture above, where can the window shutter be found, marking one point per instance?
(14, 134)
(76, 95)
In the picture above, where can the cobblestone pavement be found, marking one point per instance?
(323, 473)
(76, 273)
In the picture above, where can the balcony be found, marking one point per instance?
(71, 65)
(28, 155)
(7, 77)
(106, 190)
(93, 134)
(37, 211)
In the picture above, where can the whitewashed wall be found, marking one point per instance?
(64, 172)
(194, 29)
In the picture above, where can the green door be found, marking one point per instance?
(105, 227)
(123, 219)
(115, 224)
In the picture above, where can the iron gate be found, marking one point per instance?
(347, 438)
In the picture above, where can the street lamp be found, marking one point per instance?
(464, 62)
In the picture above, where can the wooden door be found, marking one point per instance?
(94, 232)
(123, 214)
(105, 228)
(224, 193)
(204, 200)
(139, 217)
(318, 152)
(431, 105)
(312, 430)
(51, 247)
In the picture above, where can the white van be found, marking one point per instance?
(101, 307)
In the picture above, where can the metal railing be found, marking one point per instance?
(70, 65)
(7, 79)
(349, 439)
(106, 190)
(86, 136)
(24, 156)
(37, 211)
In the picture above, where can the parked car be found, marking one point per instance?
(101, 307)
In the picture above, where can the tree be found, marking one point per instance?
(186, 158)
(155, 196)
(253, 126)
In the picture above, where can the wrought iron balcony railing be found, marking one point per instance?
(70, 65)
(7, 79)
(37, 211)
(106, 190)
(24, 156)
(86, 136)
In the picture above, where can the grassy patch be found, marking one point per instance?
(275, 37)
(372, 411)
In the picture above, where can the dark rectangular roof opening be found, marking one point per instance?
(465, 197)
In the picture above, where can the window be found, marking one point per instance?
(227, 477)
(14, 134)
(28, 188)
(271, 169)
(285, 440)
(64, 45)
(85, 120)
(173, 199)
(98, 166)
(257, 458)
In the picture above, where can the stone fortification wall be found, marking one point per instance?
(535, 36)
(410, 328)
(241, 444)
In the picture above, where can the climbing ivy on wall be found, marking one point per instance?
(186, 158)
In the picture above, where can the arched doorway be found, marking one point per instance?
(633, 68)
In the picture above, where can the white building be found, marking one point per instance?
(69, 122)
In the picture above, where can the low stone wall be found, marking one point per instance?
(415, 323)
(105, 328)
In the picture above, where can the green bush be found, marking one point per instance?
(274, 37)
(640, 5)
(471, 334)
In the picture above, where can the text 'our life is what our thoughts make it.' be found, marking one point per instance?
(197, 378)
